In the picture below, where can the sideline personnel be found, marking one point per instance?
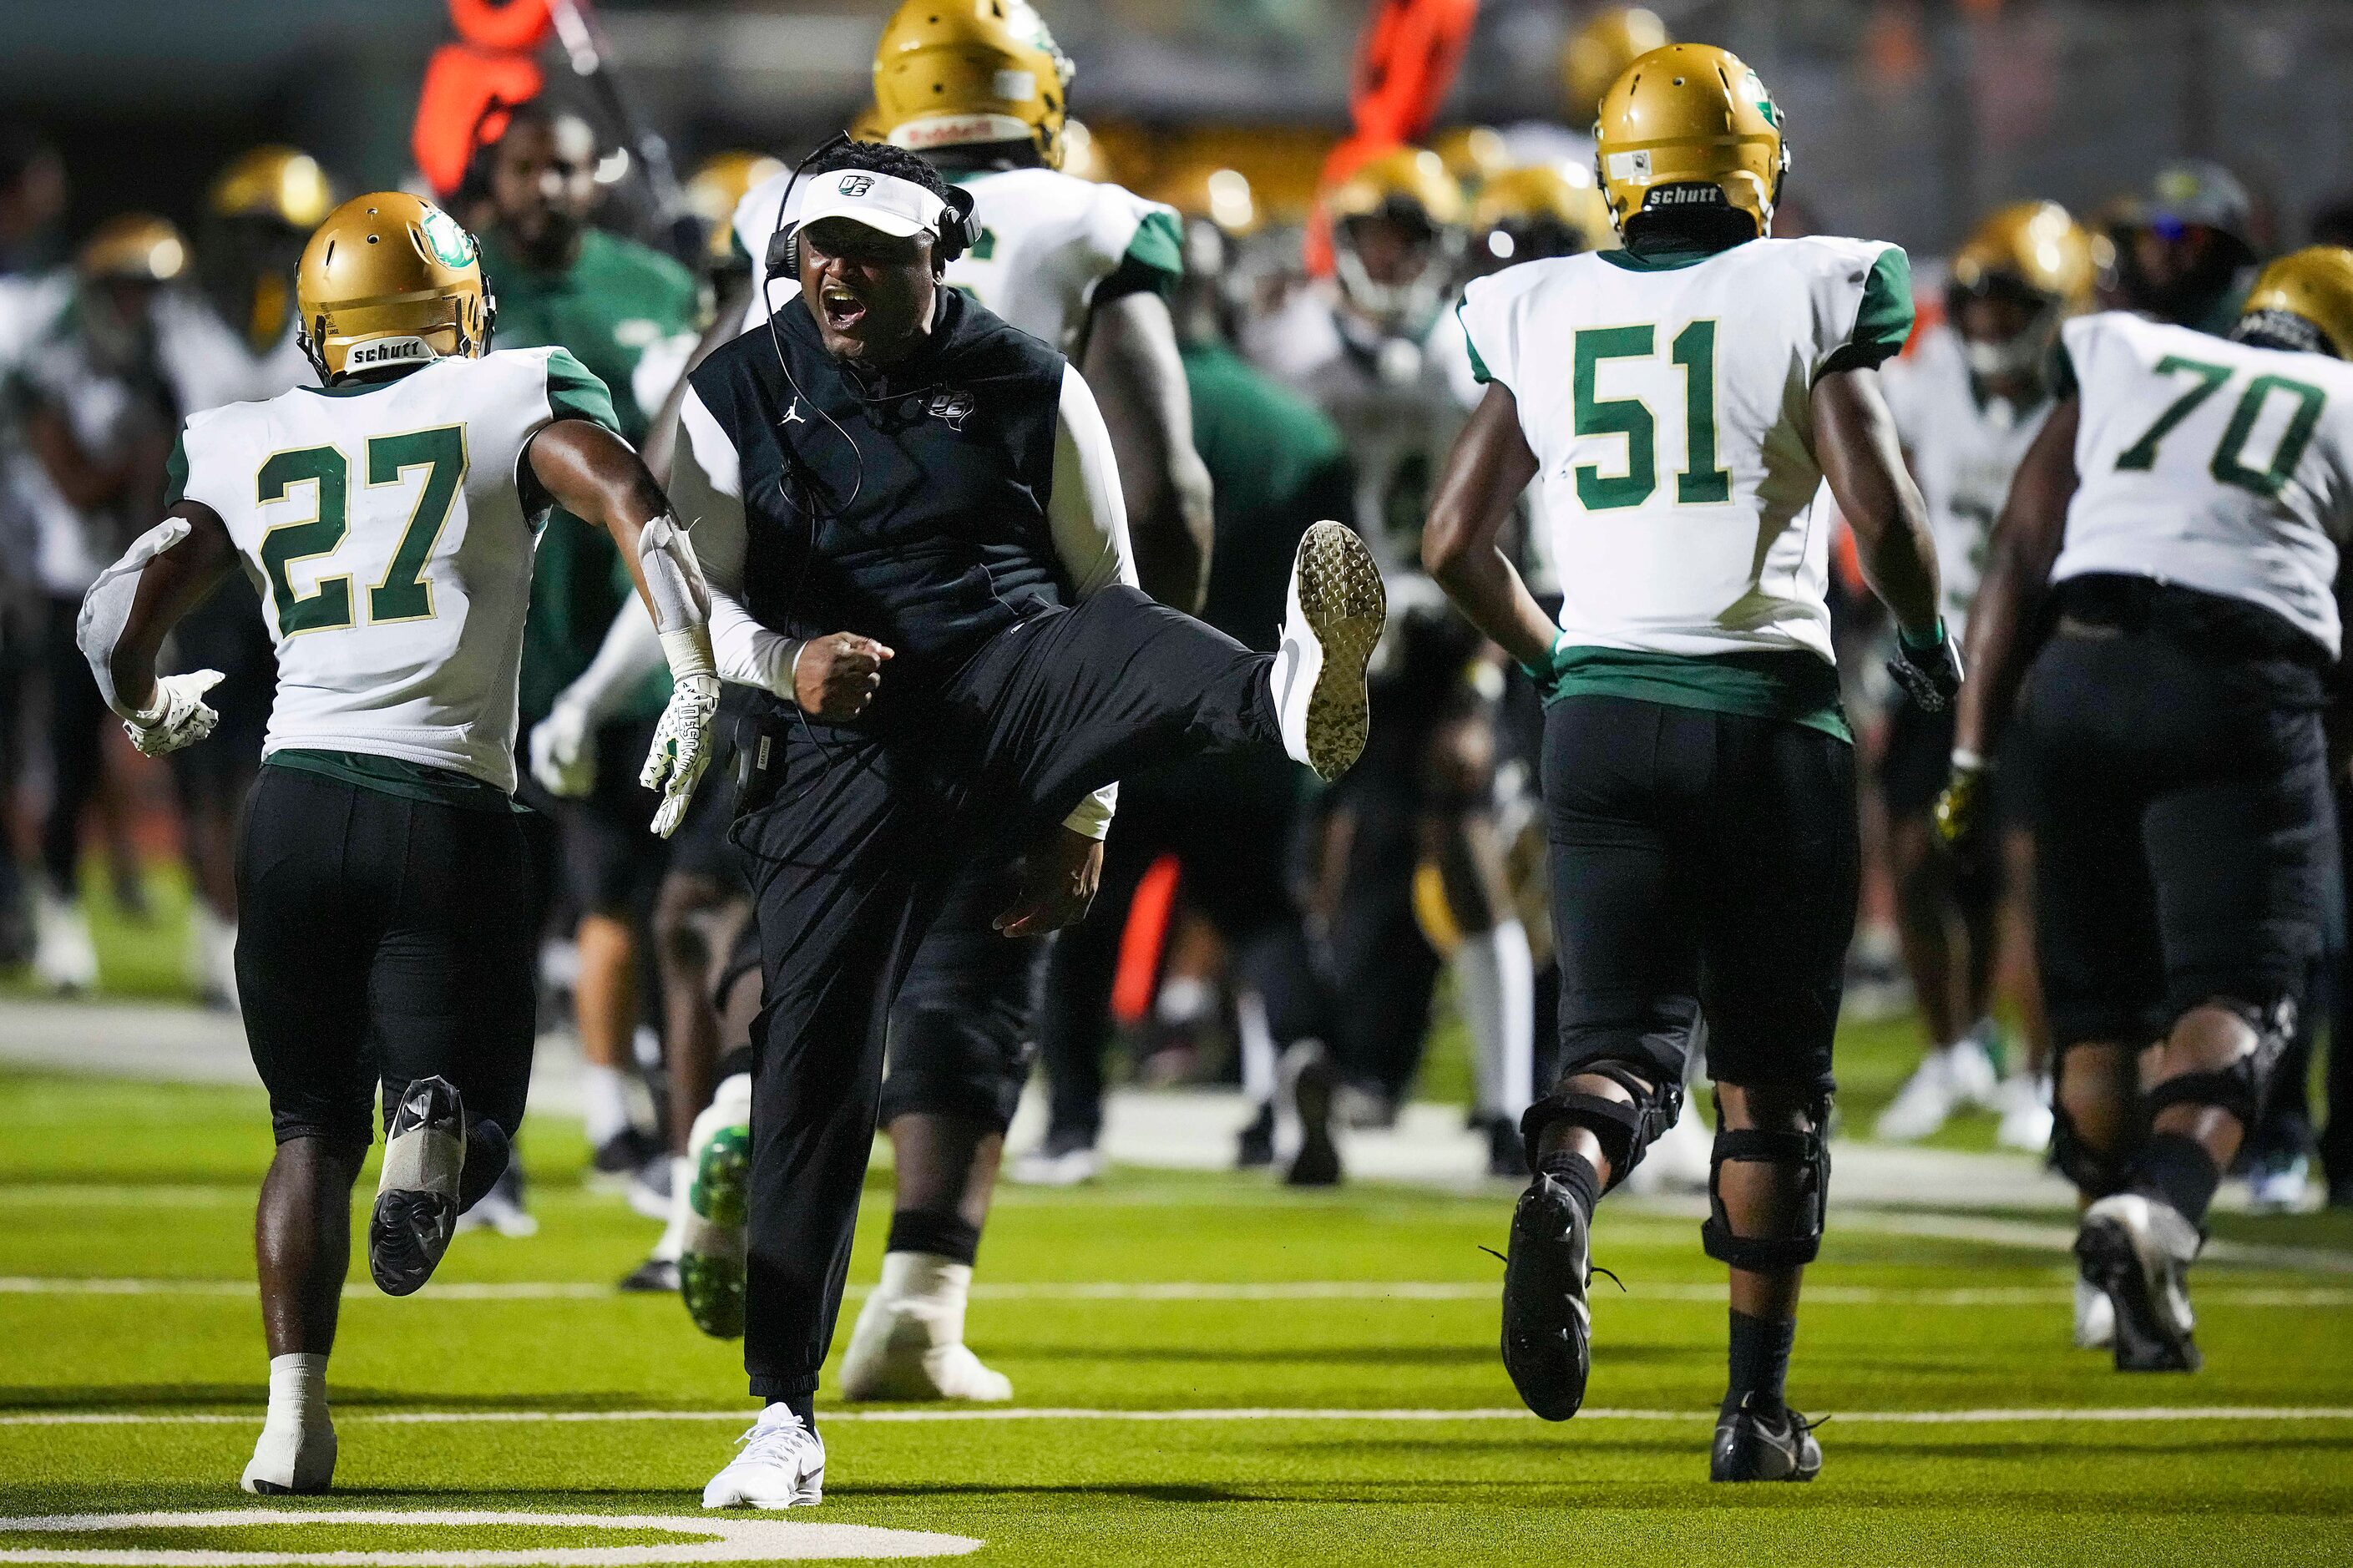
(912, 513)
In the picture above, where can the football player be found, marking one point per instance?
(1967, 401)
(2178, 518)
(1681, 402)
(389, 511)
(232, 339)
(1411, 868)
(978, 88)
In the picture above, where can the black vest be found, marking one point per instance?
(921, 522)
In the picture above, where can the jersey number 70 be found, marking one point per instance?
(1702, 482)
(404, 595)
(2228, 464)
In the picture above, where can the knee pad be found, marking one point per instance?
(2096, 1172)
(2238, 1089)
(1624, 1130)
(1806, 1157)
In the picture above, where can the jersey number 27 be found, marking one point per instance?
(403, 594)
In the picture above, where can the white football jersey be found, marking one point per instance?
(1398, 403)
(1046, 240)
(384, 527)
(2213, 465)
(1963, 446)
(1669, 407)
(209, 363)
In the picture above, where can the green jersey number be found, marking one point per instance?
(1702, 481)
(2229, 463)
(404, 595)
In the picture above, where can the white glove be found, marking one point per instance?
(177, 717)
(681, 747)
(564, 751)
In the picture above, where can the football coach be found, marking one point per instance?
(911, 522)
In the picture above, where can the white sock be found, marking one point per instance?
(605, 1104)
(930, 1289)
(1259, 1073)
(298, 1389)
(1495, 978)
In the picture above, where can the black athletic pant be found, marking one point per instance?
(1227, 820)
(381, 938)
(853, 833)
(78, 720)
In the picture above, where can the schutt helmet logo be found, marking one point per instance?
(956, 407)
(856, 185)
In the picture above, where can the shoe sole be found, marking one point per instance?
(1344, 605)
(711, 1279)
(410, 1228)
(1547, 1333)
(2144, 1341)
(1317, 1163)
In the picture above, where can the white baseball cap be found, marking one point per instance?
(885, 203)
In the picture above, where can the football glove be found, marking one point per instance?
(681, 747)
(564, 751)
(177, 717)
(1956, 805)
(1929, 674)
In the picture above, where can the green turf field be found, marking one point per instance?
(1112, 1308)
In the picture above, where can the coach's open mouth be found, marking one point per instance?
(843, 309)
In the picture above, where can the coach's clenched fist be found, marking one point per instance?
(835, 676)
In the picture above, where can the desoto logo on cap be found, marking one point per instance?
(855, 185)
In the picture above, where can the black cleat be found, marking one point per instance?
(417, 1199)
(654, 1277)
(1751, 1447)
(1311, 1082)
(2138, 1252)
(1254, 1147)
(1547, 1327)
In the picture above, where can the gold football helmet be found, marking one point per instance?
(1538, 210)
(1685, 118)
(1209, 190)
(2034, 245)
(1598, 53)
(715, 187)
(956, 72)
(2314, 285)
(390, 278)
(272, 182)
(1473, 153)
(1409, 188)
(133, 247)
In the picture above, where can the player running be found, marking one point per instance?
(1088, 268)
(387, 518)
(1967, 401)
(1682, 401)
(2180, 515)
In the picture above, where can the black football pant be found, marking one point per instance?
(854, 832)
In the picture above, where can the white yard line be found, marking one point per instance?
(2095, 1415)
(1174, 1290)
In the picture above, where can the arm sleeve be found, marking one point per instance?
(1087, 509)
(706, 491)
(1153, 261)
(1882, 321)
(574, 392)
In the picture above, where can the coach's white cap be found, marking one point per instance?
(882, 202)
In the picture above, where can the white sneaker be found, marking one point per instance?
(2095, 1317)
(1336, 608)
(1048, 1166)
(64, 957)
(1975, 1081)
(2024, 1103)
(1960, 1074)
(1677, 1161)
(294, 1459)
(782, 1466)
(909, 1342)
(2278, 1186)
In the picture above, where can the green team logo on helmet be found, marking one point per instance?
(451, 245)
(1754, 91)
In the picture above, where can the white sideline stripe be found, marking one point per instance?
(1210, 1290)
(2088, 1416)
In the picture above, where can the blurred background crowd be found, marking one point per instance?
(161, 166)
